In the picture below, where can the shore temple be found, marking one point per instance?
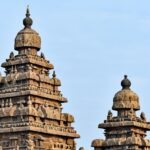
(31, 116)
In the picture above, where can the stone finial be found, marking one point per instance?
(55, 80)
(27, 21)
(126, 98)
(27, 37)
(27, 12)
(125, 83)
(54, 74)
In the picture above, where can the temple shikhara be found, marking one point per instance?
(126, 131)
(31, 115)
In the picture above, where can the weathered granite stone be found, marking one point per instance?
(126, 131)
(31, 115)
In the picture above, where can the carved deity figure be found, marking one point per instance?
(29, 144)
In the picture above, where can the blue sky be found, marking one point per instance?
(92, 44)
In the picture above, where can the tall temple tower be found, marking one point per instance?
(31, 115)
(126, 131)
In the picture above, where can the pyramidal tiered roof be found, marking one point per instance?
(126, 131)
(31, 115)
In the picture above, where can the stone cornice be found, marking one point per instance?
(38, 127)
(9, 94)
(28, 59)
(144, 125)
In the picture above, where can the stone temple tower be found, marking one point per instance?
(126, 131)
(31, 115)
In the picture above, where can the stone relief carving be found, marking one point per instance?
(131, 113)
(30, 144)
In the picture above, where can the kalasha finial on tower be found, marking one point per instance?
(27, 37)
(125, 83)
(28, 12)
(27, 21)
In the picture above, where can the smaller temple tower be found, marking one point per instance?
(126, 131)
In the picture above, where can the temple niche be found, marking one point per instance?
(126, 131)
(31, 115)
